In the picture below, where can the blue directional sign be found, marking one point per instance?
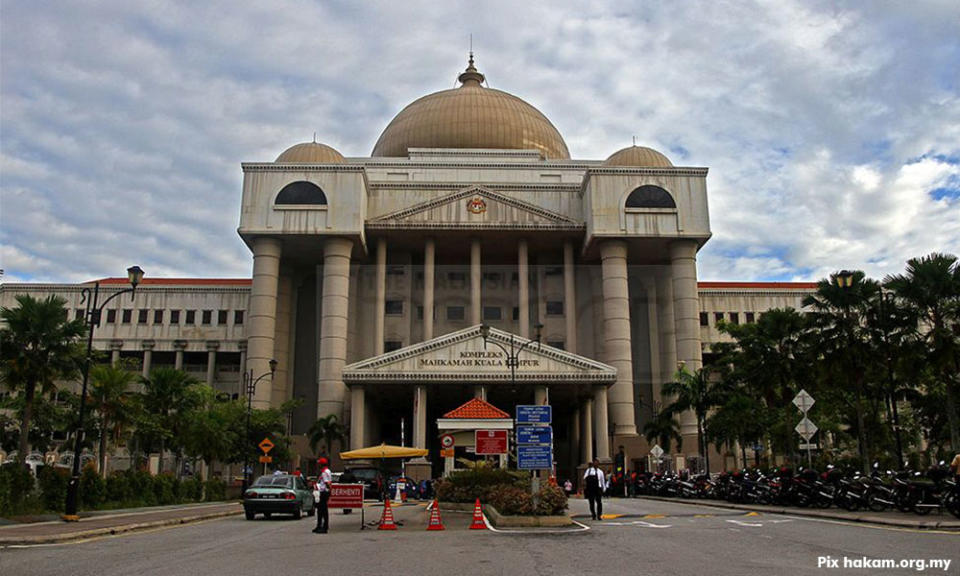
(534, 414)
(534, 435)
(534, 457)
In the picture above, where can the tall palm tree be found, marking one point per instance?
(694, 391)
(326, 430)
(843, 341)
(169, 394)
(663, 429)
(38, 346)
(931, 288)
(110, 399)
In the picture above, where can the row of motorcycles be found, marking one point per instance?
(907, 491)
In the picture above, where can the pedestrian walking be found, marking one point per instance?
(593, 485)
(324, 482)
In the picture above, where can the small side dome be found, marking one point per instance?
(638, 157)
(310, 153)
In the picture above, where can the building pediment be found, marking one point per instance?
(462, 357)
(475, 207)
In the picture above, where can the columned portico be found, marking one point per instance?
(429, 257)
(476, 279)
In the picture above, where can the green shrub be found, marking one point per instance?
(53, 487)
(552, 500)
(16, 487)
(141, 485)
(191, 489)
(93, 490)
(511, 500)
(163, 489)
(216, 490)
(468, 485)
(119, 488)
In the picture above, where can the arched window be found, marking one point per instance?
(301, 193)
(650, 196)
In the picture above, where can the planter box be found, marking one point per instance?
(501, 521)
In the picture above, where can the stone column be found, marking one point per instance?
(569, 297)
(148, 346)
(115, 347)
(601, 428)
(420, 416)
(576, 450)
(380, 313)
(429, 256)
(541, 395)
(212, 347)
(178, 346)
(480, 391)
(261, 322)
(616, 328)
(586, 423)
(686, 307)
(650, 286)
(358, 398)
(333, 326)
(242, 346)
(523, 276)
(476, 277)
(668, 334)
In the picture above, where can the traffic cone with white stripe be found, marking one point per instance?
(435, 522)
(386, 520)
(478, 523)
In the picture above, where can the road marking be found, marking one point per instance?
(739, 523)
(650, 524)
(610, 516)
(703, 515)
(752, 514)
(655, 516)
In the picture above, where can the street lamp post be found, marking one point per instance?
(92, 314)
(890, 380)
(513, 354)
(844, 280)
(250, 385)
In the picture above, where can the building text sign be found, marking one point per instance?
(490, 442)
(476, 359)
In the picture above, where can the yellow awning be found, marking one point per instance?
(383, 451)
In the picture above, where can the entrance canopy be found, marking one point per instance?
(462, 357)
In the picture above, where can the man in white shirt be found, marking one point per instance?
(593, 486)
(324, 482)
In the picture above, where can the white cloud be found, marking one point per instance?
(825, 126)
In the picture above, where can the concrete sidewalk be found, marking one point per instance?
(933, 521)
(58, 531)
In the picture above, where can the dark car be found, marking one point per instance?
(280, 494)
(371, 478)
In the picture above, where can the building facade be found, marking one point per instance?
(393, 288)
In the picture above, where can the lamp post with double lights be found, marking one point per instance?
(250, 385)
(92, 314)
(513, 354)
(884, 326)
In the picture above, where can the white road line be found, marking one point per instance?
(739, 523)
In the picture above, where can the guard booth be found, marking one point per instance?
(460, 428)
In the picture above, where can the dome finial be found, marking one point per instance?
(470, 76)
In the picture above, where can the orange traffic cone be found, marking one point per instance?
(386, 521)
(478, 523)
(435, 522)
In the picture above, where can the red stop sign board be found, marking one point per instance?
(490, 442)
(346, 496)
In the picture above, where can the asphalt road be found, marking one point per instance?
(657, 538)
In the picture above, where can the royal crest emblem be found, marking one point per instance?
(476, 205)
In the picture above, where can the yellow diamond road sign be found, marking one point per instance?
(266, 445)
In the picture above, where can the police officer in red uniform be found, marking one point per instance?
(324, 482)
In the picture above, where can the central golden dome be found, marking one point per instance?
(470, 116)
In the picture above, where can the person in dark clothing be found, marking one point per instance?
(324, 482)
(593, 485)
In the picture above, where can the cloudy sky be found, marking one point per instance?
(831, 129)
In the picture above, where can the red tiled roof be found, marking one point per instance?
(769, 285)
(477, 409)
(182, 281)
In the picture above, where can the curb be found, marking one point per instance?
(112, 530)
(951, 525)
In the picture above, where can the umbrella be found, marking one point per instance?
(383, 451)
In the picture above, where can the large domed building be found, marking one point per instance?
(468, 266)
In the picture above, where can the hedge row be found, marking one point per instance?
(20, 494)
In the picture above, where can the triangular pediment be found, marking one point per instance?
(462, 357)
(475, 207)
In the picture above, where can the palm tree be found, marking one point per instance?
(843, 342)
(169, 395)
(663, 429)
(693, 391)
(38, 346)
(931, 288)
(326, 430)
(110, 398)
